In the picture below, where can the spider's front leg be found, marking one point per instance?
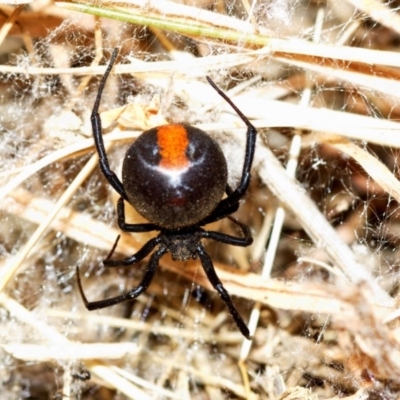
(98, 135)
(251, 136)
(208, 267)
(143, 252)
(145, 227)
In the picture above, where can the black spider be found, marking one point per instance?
(175, 176)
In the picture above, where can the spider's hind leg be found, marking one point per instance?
(132, 294)
(208, 267)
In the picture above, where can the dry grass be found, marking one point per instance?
(319, 284)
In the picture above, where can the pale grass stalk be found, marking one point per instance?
(199, 66)
(10, 22)
(156, 390)
(379, 172)
(332, 52)
(183, 388)
(183, 333)
(172, 9)
(364, 81)
(129, 389)
(322, 123)
(71, 351)
(262, 237)
(333, 271)
(361, 394)
(379, 12)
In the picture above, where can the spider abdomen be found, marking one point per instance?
(174, 175)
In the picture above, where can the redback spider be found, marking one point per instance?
(175, 176)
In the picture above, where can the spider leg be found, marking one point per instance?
(245, 229)
(143, 252)
(145, 227)
(228, 190)
(132, 294)
(208, 267)
(98, 137)
(244, 241)
(218, 214)
(251, 134)
(113, 248)
(138, 256)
